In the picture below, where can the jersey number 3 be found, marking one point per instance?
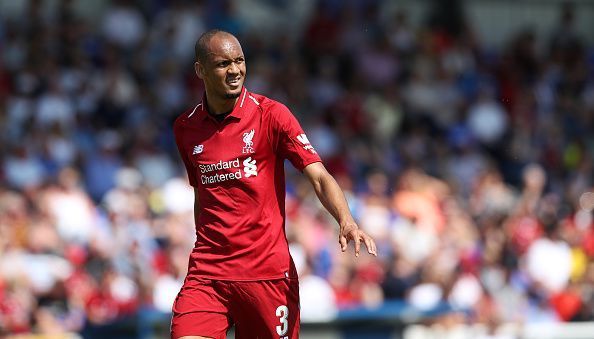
(283, 312)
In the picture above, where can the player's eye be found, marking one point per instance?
(223, 64)
(239, 60)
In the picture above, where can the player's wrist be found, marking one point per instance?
(348, 223)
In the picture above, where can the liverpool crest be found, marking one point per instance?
(247, 139)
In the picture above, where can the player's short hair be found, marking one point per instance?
(201, 48)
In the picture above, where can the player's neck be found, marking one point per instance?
(219, 105)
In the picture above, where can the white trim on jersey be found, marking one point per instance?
(242, 99)
(194, 111)
(254, 99)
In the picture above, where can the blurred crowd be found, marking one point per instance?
(470, 166)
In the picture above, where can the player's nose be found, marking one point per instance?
(233, 69)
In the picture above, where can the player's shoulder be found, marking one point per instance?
(184, 118)
(269, 107)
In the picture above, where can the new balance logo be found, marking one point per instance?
(305, 142)
(249, 167)
(198, 149)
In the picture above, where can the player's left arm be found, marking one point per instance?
(333, 199)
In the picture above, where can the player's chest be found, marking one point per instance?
(226, 146)
(218, 141)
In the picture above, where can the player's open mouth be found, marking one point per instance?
(233, 82)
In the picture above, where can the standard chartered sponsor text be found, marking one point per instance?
(219, 165)
(219, 177)
(211, 179)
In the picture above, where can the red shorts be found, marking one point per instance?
(258, 309)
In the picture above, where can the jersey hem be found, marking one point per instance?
(209, 277)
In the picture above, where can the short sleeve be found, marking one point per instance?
(177, 131)
(290, 139)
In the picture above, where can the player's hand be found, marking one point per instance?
(350, 231)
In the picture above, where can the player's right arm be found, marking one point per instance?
(196, 205)
(178, 132)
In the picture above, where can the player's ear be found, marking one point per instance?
(199, 69)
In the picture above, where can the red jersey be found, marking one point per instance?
(237, 166)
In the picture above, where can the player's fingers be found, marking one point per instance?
(367, 242)
(373, 246)
(370, 244)
(357, 239)
(343, 242)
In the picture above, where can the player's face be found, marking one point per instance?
(223, 71)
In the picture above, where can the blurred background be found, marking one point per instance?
(461, 131)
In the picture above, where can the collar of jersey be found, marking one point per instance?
(237, 112)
